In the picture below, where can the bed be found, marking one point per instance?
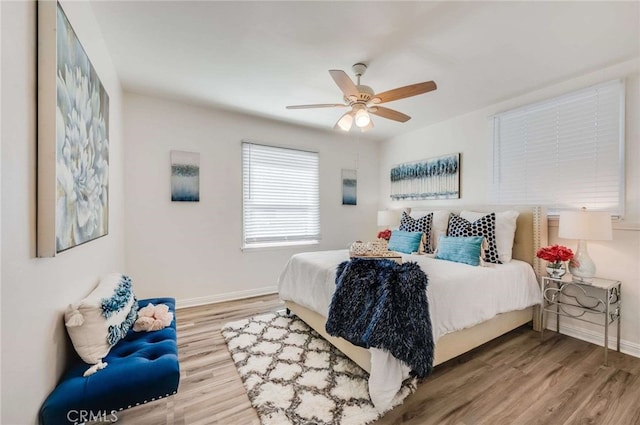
(308, 282)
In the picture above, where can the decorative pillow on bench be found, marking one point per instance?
(100, 320)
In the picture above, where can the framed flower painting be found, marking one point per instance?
(73, 139)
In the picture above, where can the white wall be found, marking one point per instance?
(192, 250)
(36, 291)
(470, 135)
(0, 211)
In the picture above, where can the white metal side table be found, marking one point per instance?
(594, 300)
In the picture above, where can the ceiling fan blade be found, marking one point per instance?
(389, 113)
(317, 105)
(344, 82)
(406, 91)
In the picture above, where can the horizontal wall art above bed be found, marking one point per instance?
(433, 178)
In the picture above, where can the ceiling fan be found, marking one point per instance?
(364, 101)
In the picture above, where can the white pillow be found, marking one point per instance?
(439, 224)
(100, 320)
(505, 230)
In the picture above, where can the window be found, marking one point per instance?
(280, 194)
(565, 152)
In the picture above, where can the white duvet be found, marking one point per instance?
(460, 296)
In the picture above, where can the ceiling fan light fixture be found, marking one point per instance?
(362, 118)
(345, 122)
(367, 127)
(363, 100)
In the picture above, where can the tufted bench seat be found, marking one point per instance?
(142, 367)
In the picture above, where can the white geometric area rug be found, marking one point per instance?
(294, 376)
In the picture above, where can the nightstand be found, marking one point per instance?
(594, 300)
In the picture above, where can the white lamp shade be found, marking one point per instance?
(362, 118)
(368, 127)
(345, 122)
(387, 218)
(585, 225)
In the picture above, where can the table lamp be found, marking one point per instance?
(387, 218)
(584, 225)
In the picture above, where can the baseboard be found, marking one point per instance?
(227, 296)
(627, 347)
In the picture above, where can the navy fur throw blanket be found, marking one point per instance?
(383, 304)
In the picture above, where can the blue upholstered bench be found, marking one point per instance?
(142, 367)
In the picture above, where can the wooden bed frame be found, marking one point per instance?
(531, 233)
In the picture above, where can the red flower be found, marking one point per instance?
(555, 253)
(385, 234)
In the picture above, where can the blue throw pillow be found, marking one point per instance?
(485, 226)
(405, 242)
(460, 249)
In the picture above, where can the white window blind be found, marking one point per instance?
(565, 152)
(281, 201)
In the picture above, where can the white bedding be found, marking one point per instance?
(460, 296)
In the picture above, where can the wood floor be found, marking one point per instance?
(511, 380)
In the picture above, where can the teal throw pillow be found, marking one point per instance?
(460, 249)
(405, 242)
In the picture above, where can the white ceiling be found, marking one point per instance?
(258, 57)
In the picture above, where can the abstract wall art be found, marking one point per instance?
(185, 176)
(73, 139)
(433, 178)
(349, 187)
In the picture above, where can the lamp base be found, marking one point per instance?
(582, 265)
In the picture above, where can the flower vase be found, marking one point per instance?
(557, 269)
